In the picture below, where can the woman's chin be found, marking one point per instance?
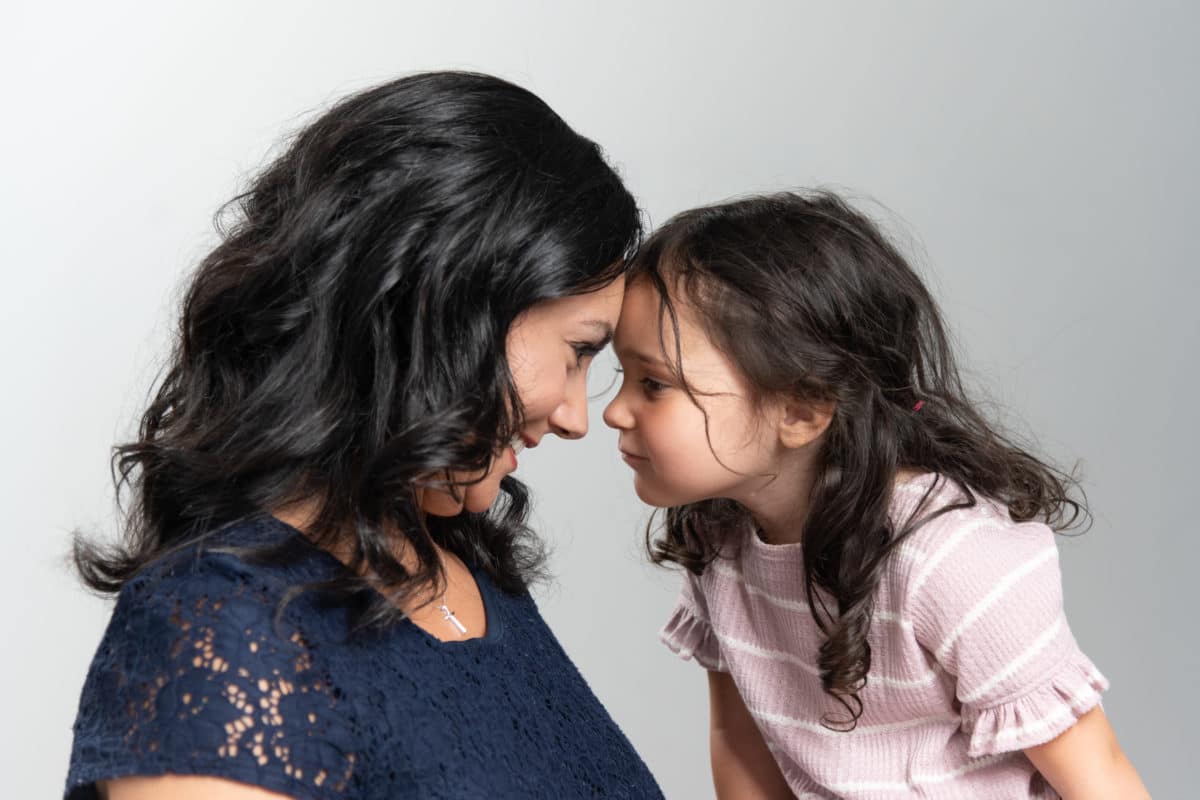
(476, 508)
(479, 498)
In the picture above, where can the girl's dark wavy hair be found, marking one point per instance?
(346, 339)
(808, 299)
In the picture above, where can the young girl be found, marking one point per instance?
(873, 580)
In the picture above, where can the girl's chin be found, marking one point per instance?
(664, 496)
(653, 495)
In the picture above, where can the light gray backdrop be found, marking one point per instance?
(1039, 160)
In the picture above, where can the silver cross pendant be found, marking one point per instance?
(448, 615)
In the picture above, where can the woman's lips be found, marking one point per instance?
(515, 445)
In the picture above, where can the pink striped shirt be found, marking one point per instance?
(972, 659)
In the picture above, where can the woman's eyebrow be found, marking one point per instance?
(603, 328)
(601, 325)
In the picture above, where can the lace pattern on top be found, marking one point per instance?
(229, 686)
(196, 676)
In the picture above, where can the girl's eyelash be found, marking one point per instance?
(649, 385)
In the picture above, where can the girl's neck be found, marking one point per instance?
(779, 505)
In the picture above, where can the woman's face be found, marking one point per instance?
(550, 348)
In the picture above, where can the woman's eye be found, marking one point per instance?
(584, 351)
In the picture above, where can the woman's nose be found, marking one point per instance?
(570, 419)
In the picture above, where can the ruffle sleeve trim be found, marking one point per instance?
(690, 636)
(1038, 716)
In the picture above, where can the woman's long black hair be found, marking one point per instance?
(346, 339)
(808, 299)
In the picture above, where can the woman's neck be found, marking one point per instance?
(302, 516)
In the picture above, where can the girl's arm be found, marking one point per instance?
(1086, 761)
(743, 768)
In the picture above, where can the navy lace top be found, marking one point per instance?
(193, 676)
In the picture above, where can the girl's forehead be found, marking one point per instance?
(645, 330)
(643, 316)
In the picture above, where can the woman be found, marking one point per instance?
(319, 592)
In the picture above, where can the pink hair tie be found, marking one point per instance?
(917, 407)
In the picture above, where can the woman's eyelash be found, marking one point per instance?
(585, 350)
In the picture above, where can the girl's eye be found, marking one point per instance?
(652, 386)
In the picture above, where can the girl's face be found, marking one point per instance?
(675, 457)
(550, 348)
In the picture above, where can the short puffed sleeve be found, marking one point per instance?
(987, 604)
(689, 632)
(194, 676)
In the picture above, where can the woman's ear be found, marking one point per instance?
(801, 422)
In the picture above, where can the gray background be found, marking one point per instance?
(1038, 160)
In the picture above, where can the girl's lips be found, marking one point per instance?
(631, 457)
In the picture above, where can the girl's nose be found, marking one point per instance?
(616, 414)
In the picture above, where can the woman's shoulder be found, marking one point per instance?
(211, 609)
(219, 554)
(197, 673)
(221, 578)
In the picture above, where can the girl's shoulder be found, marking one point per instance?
(945, 514)
(962, 543)
(959, 539)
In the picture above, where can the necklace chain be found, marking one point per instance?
(447, 614)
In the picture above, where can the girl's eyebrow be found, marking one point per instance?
(628, 352)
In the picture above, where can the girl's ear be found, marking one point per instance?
(801, 422)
